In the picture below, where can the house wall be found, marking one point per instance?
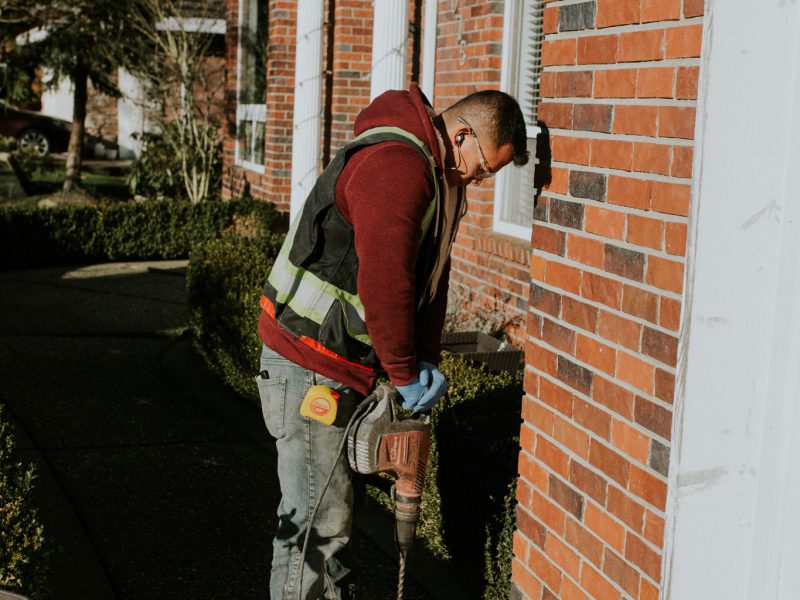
(619, 92)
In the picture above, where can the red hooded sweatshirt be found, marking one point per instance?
(383, 192)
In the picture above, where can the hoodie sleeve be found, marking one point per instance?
(384, 191)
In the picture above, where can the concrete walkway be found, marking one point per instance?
(154, 480)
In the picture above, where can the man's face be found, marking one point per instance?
(476, 160)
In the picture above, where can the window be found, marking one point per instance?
(522, 44)
(251, 112)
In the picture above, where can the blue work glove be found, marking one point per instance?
(424, 392)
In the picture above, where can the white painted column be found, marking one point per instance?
(733, 524)
(57, 101)
(130, 114)
(306, 134)
(389, 36)
(430, 24)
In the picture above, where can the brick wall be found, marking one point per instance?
(489, 271)
(619, 91)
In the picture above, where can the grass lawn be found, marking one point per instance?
(98, 185)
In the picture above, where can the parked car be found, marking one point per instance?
(34, 130)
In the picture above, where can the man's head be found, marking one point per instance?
(486, 131)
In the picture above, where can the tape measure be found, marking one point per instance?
(320, 404)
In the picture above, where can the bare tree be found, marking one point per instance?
(174, 59)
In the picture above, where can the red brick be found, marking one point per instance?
(670, 198)
(530, 527)
(656, 83)
(612, 154)
(563, 556)
(552, 456)
(684, 42)
(556, 397)
(660, 10)
(648, 487)
(630, 441)
(595, 354)
(545, 300)
(547, 84)
(570, 149)
(665, 274)
(589, 483)
(616, 12)
(592, 418)
(588, 545)
(682, 161)
(563, 277)
(550, 514)
(597, 585)
(545, 570)
(619, 330)
(686, 84)
(644, 231)
(635, 120)
(601, 221)
(618, 399)
(537, 415)
(625, 509)
(647, 591)
(559, 52)
(615, 83)
(599, 49)
(540, 358)
(526, 582)
(651, 158)
(570, 436)
(676, 122)
(653, 529)
(520, 545)
(570, 591)
(606, 528)
(693, 8)
(642, 556)
(538, 267)
(653, 417)
(556, 115)
(559, 184)
(601, 289)
(574, 84)
(670, 313)
(549, 240)
(665, 386)
(636, 372)
(585, 250)
(676, 239)
(621, 573)
(629, 192)
(641, 46)
(550, 20)
(579, 314)
(592, 117)
(609, 462)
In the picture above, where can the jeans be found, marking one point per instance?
(307, 451)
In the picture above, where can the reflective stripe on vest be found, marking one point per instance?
(309, 296)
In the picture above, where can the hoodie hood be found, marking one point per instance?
(409, 110)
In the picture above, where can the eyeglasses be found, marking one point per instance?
(485, 172)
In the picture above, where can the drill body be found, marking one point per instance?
(381, 442)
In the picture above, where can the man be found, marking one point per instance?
(360, 287)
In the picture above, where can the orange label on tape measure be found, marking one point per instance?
(320, 406)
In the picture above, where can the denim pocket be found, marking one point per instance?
(273, 399)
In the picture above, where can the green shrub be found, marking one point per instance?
(224, 281)
(34, 237)
(22, 543)
(7, 143)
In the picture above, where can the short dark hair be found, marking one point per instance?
(500, 116)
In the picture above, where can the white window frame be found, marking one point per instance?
(506, 178)
(254, 113)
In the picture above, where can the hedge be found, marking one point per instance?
(467, 513)
(38, 237)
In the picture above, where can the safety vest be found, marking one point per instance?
(311, 290)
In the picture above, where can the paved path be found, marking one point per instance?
(155, 481)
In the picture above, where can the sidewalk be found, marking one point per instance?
(154, 480)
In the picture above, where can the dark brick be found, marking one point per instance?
(653, 417)
(583, 184)
(530, 527)
(588, 482)
(568, 214)
(575, 17)
(545, 300)
(566, 497)
(665, 386)
(558, 336)
(574, 375)
(592, 117)
(625, 263)
(660, 346)
(659, 457)
(621, 572)
(540, 209)
(549, 240)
